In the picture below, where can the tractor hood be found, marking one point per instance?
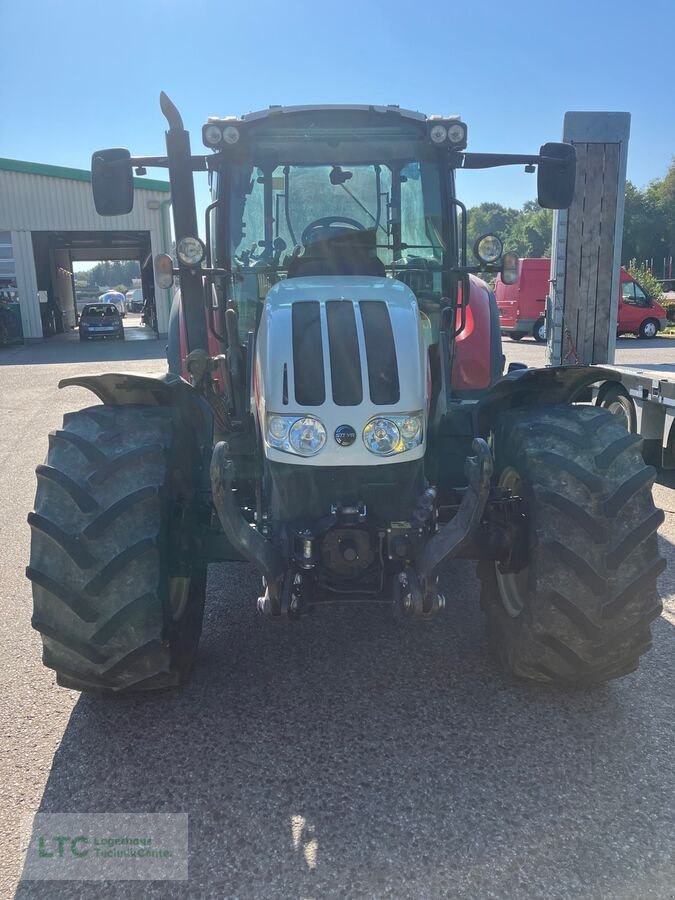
(344, 350)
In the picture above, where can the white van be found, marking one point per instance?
(117, 298)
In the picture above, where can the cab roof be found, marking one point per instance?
(272, 111)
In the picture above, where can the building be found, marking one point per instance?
(48, 221)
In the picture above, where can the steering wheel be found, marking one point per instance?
(324, 229)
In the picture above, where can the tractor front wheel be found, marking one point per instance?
(579, 610)
(116, 598)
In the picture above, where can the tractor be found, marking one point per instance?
(335, 412)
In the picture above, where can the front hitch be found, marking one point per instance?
(451, 538)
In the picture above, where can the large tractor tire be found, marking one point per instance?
(579, 612)
(115, 609)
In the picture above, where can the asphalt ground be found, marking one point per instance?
(345, 756)
(657, 354)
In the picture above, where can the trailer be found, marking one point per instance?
(646, 401)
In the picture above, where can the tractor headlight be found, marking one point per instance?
(230, 134)
(457, 134)
(302, 435)
(438, 133)
(190, 251)
(488, 248)
(212, 135)
(388, 435)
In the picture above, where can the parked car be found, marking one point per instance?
(101, 320)
(117, 299)
(522, 306)
(135, 300)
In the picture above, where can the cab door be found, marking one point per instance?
(631, 306)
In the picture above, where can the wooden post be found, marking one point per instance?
(586, 247)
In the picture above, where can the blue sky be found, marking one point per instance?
(80, 76)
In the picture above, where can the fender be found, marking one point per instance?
(536, 387)
(478, 349)
(121, 389)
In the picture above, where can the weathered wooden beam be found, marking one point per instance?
(586, 249)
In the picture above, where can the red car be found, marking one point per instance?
(522, 306)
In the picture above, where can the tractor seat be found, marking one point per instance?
(342, 264)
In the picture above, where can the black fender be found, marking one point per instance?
(537, 387)
(121, 389)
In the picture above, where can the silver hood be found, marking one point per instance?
(343, 349)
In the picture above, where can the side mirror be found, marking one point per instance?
(555, 180)
(112, 182)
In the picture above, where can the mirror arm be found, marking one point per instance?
(199, 163)
(492, 160)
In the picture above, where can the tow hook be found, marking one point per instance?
(455, 534)
(287, 606)
(411, 601)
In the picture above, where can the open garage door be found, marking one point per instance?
(55, 253)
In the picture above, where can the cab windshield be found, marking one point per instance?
(378, 219)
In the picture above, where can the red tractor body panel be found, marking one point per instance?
(474, 362)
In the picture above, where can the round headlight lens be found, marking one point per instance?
(488, 248)
(382, 436)
(277, 427)
(456, 133)
(438, 134)
(212, 135)
(230, 134)
(307, 436)
(190, 251)
(409, 427)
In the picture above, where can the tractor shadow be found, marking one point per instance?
(350, 756)
(67, 349)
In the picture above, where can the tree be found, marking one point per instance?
(488, 217)
(530, 234)
(645, 278)
(526, 231)
(649, 221)
(115, 272)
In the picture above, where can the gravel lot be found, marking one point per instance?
(344, 756)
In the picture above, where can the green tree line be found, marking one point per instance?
(111, 272)
(648, 233)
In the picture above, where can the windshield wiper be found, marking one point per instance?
(356, 200)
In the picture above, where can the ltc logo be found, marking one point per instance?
(62, 846)
(345, 435)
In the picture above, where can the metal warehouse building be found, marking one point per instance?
(48, 221)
